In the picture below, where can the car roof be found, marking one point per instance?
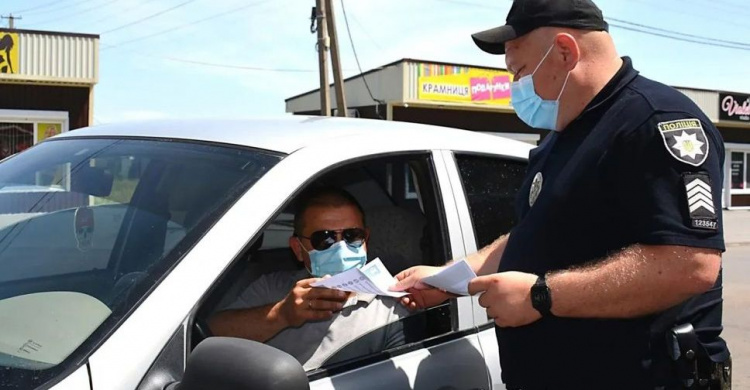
(287, 134)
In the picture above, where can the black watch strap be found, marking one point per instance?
(541, 297)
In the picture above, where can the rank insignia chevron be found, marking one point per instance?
(700, 201)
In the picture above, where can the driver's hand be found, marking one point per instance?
(421, 295)
(305, 303)
(411, 278)
(422, 299)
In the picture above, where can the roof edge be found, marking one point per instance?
(56, 33)
(388, 65)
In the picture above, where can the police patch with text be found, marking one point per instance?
(700, 201)
(685, 140)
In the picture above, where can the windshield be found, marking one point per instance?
(88, 227)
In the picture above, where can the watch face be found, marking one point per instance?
(538, 296)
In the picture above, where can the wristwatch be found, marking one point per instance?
(541, 298)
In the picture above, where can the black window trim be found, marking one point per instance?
(343, 367)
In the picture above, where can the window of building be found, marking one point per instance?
(740, 175)
(15, 137)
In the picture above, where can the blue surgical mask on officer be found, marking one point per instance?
(336, 259)
(530, 107)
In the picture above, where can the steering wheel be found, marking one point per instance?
(202, 330)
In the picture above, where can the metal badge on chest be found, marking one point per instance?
(536, 188)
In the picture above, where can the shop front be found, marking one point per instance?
(734, 121)
(477, 98)
(46, 85)
(461, 96)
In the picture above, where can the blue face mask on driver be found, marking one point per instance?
(530, 107)
(336, 259)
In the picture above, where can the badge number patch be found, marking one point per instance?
(536, 188)
(700, 201)
(685, 140)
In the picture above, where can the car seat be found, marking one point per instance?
(395, 237)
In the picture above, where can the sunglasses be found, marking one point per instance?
(323, 239)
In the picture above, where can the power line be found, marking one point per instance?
(240, 67)
(460, 2)
(55, 9)
(656, 31)
(148, 17)
(190, 24)
(729, 3)
(231, 66)
(76, 13)
(37, 7)
(681, 34)
(723, 6)
(678, 38)
(660, 6)
(356, 58)
(374, 42)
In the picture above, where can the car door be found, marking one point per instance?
(484, 188)
(149, 350)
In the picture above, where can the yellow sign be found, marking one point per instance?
(463, 84)
(8, 53)
(47, 130)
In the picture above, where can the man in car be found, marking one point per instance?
(312, 323)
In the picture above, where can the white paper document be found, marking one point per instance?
(453, 279)
(372, 278)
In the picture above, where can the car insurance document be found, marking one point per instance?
(372, 278)
(454, 279)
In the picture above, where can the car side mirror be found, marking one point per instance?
(225, 363)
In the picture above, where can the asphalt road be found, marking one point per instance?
(737, 312)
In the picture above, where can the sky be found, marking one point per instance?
(243, 58)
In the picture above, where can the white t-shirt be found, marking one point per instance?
(314, 342)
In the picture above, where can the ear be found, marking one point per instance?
(568, 50)
(296, 248)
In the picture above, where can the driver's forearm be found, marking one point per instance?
(487, 260)
(258, 324)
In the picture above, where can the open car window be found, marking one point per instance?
(403, 209)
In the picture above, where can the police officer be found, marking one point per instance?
(612, 277)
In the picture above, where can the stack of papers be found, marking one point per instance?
(375, 279)
(454, 279)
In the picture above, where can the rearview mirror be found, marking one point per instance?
(224, 363)
(91, 181)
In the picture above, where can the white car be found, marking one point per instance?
(107, 283)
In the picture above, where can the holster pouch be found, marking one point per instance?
(683, 347)
(693, 366)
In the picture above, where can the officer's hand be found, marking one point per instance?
(412, 278)
(305, 303)
(507, 297)
(422, 299)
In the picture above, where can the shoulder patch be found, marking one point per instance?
(700, 201)
(685, 140)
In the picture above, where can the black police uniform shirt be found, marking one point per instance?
(641, 165)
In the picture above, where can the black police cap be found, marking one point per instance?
(527, 15)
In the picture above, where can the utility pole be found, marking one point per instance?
(11, 19)
(325, 100)
(338, 79)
